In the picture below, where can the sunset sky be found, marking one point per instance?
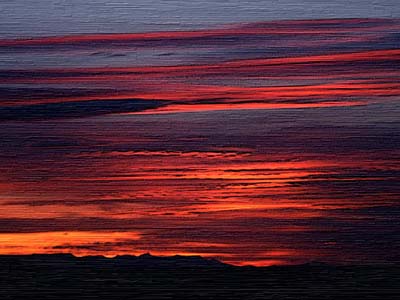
(256, 133)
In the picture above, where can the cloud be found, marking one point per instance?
(78, 109)
(227, 35)
(308, 173)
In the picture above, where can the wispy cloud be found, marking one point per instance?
(301, 163)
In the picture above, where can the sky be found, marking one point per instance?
(254, 132)
(62, 17)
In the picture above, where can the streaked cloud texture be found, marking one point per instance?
(255, 143)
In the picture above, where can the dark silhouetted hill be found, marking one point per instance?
(64, 276)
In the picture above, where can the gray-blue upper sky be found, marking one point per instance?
(21, 18)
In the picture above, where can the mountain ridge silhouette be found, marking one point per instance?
(65, 276)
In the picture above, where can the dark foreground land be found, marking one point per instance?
(149, 277)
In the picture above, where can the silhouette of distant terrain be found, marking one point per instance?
(63, 276)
